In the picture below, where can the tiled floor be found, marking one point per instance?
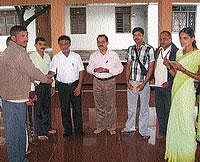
(92, 148)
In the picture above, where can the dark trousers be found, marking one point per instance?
(42, 109)
(163, 104)
(66, 96)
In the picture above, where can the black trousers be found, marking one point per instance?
(67, 97)
(42, 109)
(163, 104)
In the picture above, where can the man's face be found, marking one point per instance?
(138, 37)
(165, 40)
(40, 46)
(102, 43)
(64, 45)
(21, 38)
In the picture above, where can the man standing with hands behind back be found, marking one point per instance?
(104, 64)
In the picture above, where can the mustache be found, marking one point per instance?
(42, 48)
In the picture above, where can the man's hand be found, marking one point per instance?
(165, 85)
(130, 86)
(77, 90)
(140, 87)
(101, 70)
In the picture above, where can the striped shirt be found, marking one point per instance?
(146, 55)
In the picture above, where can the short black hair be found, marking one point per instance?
(39, 39)
(16, 29)
(138, 29)
(103, 35)
(64, 37)
(166, 32)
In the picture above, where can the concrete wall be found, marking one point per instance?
(101, 20)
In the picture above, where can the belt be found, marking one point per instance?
(104, 79)
(68, 84)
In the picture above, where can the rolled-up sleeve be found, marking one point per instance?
(53, 65)
(90, 68)
(151, 55)
(118, 67)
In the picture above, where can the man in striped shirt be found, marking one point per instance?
(139, 69)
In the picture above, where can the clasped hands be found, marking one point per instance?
(137, 88)
(101, 70)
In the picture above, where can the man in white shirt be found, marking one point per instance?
(68, 67)
(104, 64)
(163, 80)
(42, 108)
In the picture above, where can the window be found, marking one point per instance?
(78, 20)
(183, 16)
(7, 20)
(123, 19)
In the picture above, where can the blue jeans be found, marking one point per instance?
(144, 110)
(14, 116)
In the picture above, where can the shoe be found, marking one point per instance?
(52, 131)
(98, 130)
(43, 138)
(112, 132)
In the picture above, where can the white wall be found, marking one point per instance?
(31, 32)
(101, 20)
(153, 25)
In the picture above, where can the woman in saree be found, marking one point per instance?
(181, 136)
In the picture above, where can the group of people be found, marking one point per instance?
(171, 71)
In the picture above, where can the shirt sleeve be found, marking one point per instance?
(151, 55)
(129, 53)
(53, 65)
(117, 66)
(29, 68)
(80, 64)
(90, 67)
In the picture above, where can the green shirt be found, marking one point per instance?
(42, 63)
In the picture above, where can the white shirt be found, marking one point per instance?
(160, 69)
(67, 67)
(110, 61)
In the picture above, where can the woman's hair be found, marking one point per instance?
(190, 32)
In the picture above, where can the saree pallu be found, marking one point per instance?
(180, 138)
